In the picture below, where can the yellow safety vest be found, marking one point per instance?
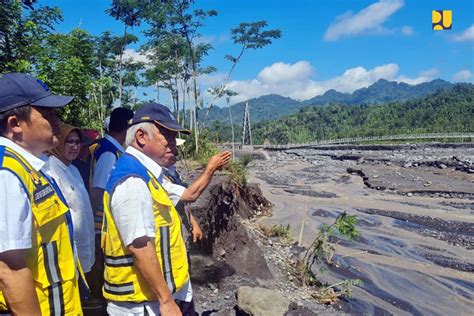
(122, 280)
(51, 257)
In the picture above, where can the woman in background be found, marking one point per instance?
(72, 186)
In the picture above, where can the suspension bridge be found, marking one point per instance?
(355, 140)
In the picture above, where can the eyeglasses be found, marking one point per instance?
(72, 142)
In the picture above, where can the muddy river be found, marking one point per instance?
(415, 206)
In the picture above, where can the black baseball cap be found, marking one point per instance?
(19, 89)
(119, 119)
(159, 114)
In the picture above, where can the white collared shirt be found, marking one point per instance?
(132, 208)
(15, 209)
(72, 186)
(133, 194)
(105, 164)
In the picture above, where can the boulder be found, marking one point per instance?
(258, 301)
(302, 311)
(297, 309)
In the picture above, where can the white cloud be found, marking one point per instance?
(294, 80)
(466, 36)
(462, 75)
(424, 76)
(407, 30)
(211, 39)
(281, 72)
(367, 21)
(212, 80)
(131, 54)
(359, 77)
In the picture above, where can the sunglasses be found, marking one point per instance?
(72, 142)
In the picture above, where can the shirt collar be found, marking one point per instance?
(151, 165)
(36, 162)
(115, 142)
(55, 160)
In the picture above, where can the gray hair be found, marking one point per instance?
(147, 127)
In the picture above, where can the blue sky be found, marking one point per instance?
(326, 44)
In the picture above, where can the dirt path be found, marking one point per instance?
(416, 254)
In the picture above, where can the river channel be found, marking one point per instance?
(415, 206)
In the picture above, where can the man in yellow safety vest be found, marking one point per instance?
(146, 267)
(39, 272)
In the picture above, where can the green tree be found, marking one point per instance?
(249, 36)
(23, 32)
(67, 65)
(130, 13)
(174, 24)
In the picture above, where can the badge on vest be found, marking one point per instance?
(35, 177)
(42, 193)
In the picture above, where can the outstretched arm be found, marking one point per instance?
(216, 162)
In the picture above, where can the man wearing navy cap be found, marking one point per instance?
(146, 267)
(38, 270)
(104, 154)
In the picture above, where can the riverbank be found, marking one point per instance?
(235, 255)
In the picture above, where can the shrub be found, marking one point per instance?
(280, 231)
(206, 149)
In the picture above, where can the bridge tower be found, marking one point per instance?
(246, 130)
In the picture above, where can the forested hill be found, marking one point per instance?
(274, 106)
(267, 107)
(381, 91)
(444, 111)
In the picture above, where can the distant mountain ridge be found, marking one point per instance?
(274, 106)
(267, 107)
(382, 91)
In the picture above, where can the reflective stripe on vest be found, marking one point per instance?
(120, 261)
(166, 258)
(56, 299)
(50, 251)
(119, 289)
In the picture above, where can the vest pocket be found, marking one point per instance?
(48, 210)
(162, 213)
(120, 283)
(52, 259)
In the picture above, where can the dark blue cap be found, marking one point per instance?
(159, 114)
(119, 119)
(18, 89)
